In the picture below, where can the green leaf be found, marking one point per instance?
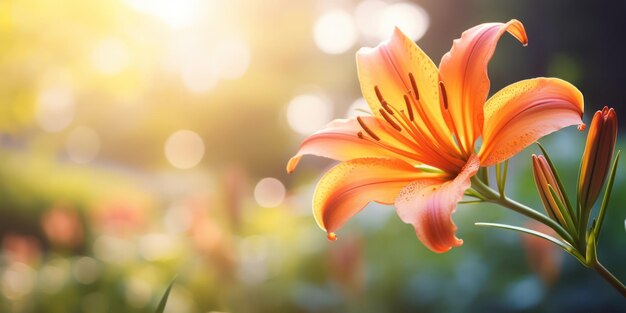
(471, 202)
(591, 254)
(567, 203)
(607, 196)
(163, 301)
(571, 250)
(473, 193)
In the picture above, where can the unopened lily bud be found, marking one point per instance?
(596, 159)
(545, 179)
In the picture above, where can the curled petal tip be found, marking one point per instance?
(293, 162)
(332, 236)
(581, 127)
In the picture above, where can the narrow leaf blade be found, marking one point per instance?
(166, 295)
(555, 241)
(607, 196)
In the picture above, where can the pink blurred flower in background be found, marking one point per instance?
(62, 226)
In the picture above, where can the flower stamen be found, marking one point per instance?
(409, 107)
(367, 129)
(444, 95)
(389, 120)
(382, 100)
(414, 86)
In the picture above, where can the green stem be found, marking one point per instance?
(609, 277)
(494, 197)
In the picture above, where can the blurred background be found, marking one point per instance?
(146, 139)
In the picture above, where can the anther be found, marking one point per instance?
(378, 94)
(444, 96)
(360, 135)
(386, 107)
(389, 120)
(414, 86)
(409, 108)
(367, 129)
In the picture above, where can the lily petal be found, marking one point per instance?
(428, 204)
(464, 74)
(389, 67)
(349, 186)
(523, 112)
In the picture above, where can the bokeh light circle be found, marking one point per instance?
(377, 19)
(55, 107)
(184, 149)
(334, 32)
(232, 58)
(411, 18)
(308, 113)
(82, 145)
(269, 192)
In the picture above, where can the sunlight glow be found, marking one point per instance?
(334, 32)
(110, 56)
(176, 14)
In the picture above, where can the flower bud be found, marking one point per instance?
(545, 179)
(596, 159)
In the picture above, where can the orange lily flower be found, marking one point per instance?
(417, 150)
